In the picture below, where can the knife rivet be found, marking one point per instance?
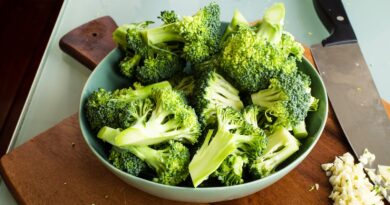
(340, 18)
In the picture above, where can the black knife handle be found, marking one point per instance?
(335, 19)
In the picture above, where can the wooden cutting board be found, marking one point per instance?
(56, 167)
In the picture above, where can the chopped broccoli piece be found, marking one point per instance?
(169, 163)
(103, 108)
(149, 63)
(199, 34)
(159, 65)
(212, 91)
(128, 65)
(126, 161)
(287, 99)
(230, 172)
(251, 55)
(281, 145)
(169, 119)
(233, 135)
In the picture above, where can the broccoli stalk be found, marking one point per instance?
(281, 145)
(271, 27)
(233, 135)
(169, 119)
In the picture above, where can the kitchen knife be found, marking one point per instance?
(350, 86)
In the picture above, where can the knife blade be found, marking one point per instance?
(351, 89)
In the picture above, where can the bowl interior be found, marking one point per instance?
(106, 76)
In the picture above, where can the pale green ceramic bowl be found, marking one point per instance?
(106, 76)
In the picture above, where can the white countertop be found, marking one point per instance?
(59, 80)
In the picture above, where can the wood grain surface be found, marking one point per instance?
(56, 167)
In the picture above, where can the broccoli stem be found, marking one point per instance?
(154, 131)
(145, 91)
(271, 27)
(108, 134)
(150, 156)
(267, 97)
(210, 156)
(300, 131)
(237, 20)
(162, 34)
(281, 145)
(119, 35)
(228, 94)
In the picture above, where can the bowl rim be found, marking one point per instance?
(289, 166)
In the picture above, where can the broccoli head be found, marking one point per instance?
(126, 161)
(105, 108)
(212, 91)
(148, 63)
(286, 101)
(253, 54)
(199, 34)
(281, 145)
(159, 65)
(169, 119)
(233, 135)
(169, 163)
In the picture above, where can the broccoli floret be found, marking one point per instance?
(212, 91)
(159, 65)
(169, 119)
(128, 37)
(149, 63)
(254, 54)
(233, 135)
(199, 34)
(103, 108)
(287, 99)
(230, 172)
(136, 111)
(169, 163)
(126, 161)
(281, 145)
(168, 17)
(128, 65)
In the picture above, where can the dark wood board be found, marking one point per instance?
(56, 167)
